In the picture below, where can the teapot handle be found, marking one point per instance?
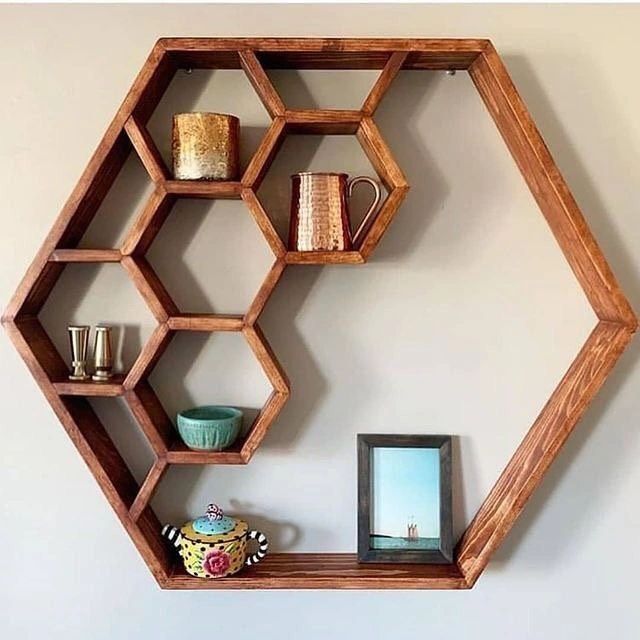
(263, 545)
(355, 237)
(172, 534)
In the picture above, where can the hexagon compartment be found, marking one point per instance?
(129, 498)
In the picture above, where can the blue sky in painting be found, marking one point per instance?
(405, 482)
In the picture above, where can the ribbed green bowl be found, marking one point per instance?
(209, 428)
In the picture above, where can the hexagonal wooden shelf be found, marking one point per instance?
(613, 331)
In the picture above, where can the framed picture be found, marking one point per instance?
(404, 499)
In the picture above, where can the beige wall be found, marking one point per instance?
(462, 324)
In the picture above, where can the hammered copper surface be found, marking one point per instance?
(319, 213)
(205, 146)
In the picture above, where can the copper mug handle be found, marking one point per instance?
(355, 237)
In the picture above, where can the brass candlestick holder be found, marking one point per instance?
(79, 342)
(103, 358)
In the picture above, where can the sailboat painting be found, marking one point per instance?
(404, 498)
(405, 491)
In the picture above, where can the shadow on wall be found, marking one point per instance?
(323, 89)
(397, 118)
(170, 264)
(574, 517)
(461, 475)
(105, 286)
(126, 434)
(283, 536)
(178, 507)
(123, 203)
(308, 383)
(210, 368)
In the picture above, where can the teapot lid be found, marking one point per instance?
(214, 522)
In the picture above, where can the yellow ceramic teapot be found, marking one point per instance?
(215, 545)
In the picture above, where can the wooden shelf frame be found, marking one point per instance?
(614, 329)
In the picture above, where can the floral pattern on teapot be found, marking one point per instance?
(215, 545)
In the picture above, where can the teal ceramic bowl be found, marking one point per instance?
(210, 428)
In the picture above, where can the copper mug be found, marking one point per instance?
(319, 213)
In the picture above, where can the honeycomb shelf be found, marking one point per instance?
(616, 321)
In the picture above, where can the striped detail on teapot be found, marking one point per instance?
(263, 546)
(172, 534)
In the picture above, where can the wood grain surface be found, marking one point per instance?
(89, 388)
(86, 255)
(148, 223)
(261, 83)
(147, 488)
(147, 150)
(323, 53)
(323, 257)
(325, 571)
(541, 445)
(264, 155)
(203, 322)
(202, 189)
(150, 287)
(389, 72)
(322, 121)
(548, 187)
(264, 293)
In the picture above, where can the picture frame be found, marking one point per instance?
(397, 472)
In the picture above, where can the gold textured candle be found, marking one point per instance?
(205, 146)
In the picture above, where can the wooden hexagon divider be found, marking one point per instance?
(613, 331)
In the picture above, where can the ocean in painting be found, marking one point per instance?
(407, 544)
(405, 501)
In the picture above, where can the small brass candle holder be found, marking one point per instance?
(103, 359)
(79, 342)
(205, 146)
